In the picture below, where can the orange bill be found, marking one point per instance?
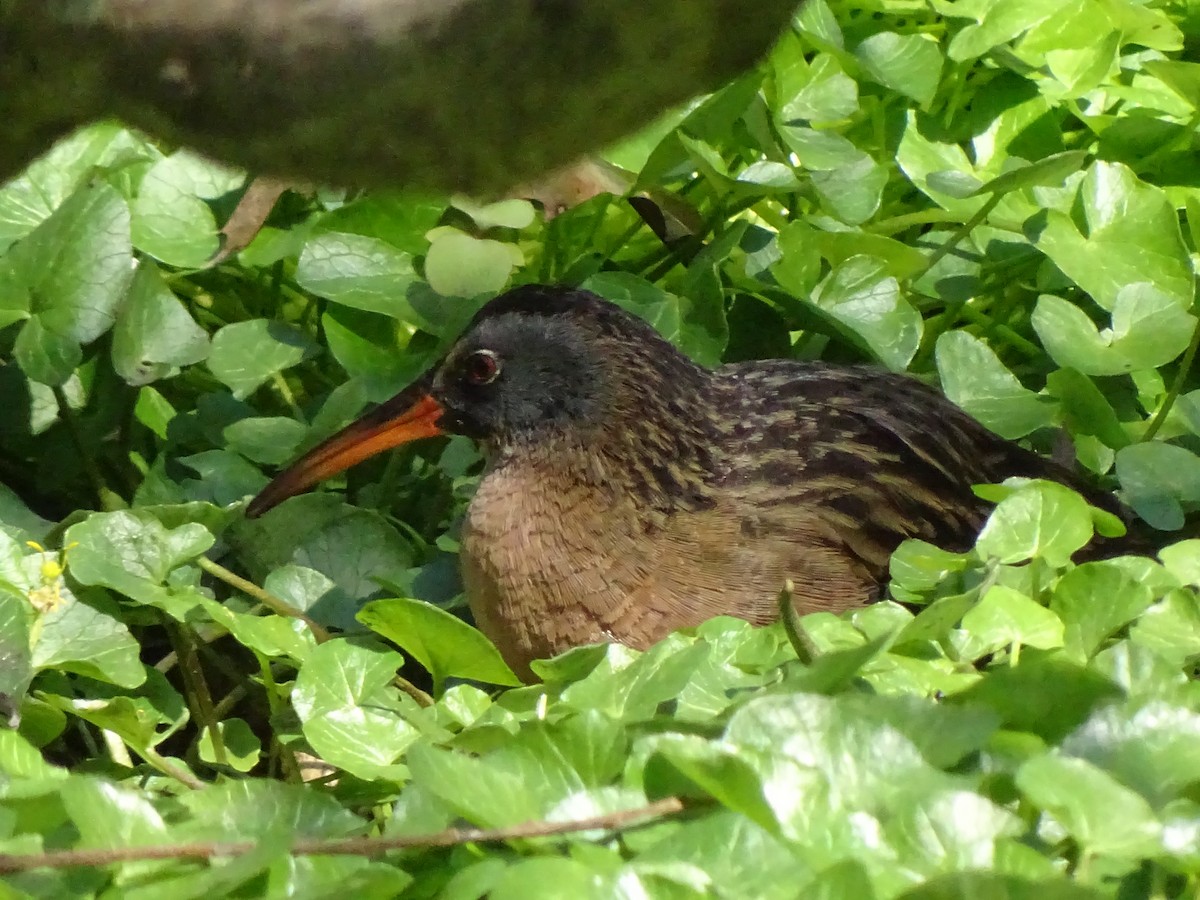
(410, 415)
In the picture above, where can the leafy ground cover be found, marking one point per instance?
(999, 195)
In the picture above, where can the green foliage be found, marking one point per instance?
(998, 194)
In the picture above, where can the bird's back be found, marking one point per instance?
(881, 457)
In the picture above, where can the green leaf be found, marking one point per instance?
(996, 23)
(973, 376)
(1157, 479)
(862, 296)
(553, 771)
(31, 197)
(459, 265)
(1052, 170)
(1101, 814)
(350, 714)
(720, 772)
(242, 746)
(1149, 329)
(1132, 237)
(921, 158)
(69, 276)
(142, 722)
(920, 566)
(1046, 696)
(84, 634)
(680, 319)
(820, 91)
(367, 347)
(502, 214)
(354, 549)
(401, 219)
(1085, 409)
(171, 221)
(21, 759)
(245, 354)
(1171, 628)
(1041, 519)
(798, 268)
(852, 192)
(132, 553)
(1152, 749)
(741, 858)
(1088, 622)
(271, 635)
(358, 271)
(110, 816)
(444, 644)
(154, 334)
(251, 809)
(907, 63)
(272, 440)
(999, 886)
(805, 744)
(1182, 560)
(16, 660)
(631, 685)
(1004, 617)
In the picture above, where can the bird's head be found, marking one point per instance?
(533, 364)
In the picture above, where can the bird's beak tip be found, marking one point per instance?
(410, 415)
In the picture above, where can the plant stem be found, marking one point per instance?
(960, 233)
(1185, 368)
(421, 698)
(806, 651)
(168, 768)
(908, 220)
(195, 687)
(108, 499)
(266, 598)
(287, 760)
(289, 398)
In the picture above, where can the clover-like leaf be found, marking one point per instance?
(443, 643)
(349, 712)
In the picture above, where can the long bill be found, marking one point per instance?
(411, 414)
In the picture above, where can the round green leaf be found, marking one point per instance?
(907, 63)
(349, 711)
(1156, 478)
(1133, 236)
(1039, 520)
(266, 439)
(975, 378)
(242, 746)
(1102, 815)
(458, 265)
(154, 333)
(358, 271)
(71, 273)
(443, 643)
(171, 221)
(861, 295)
(245, 354)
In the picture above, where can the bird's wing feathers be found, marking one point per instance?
(882, 456)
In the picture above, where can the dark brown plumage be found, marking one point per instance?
(630, 492)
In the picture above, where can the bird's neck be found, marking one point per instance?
(659, 451)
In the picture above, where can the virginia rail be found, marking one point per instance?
(630, 492)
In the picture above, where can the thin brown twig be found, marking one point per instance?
(354, 846)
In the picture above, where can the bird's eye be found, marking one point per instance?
(481, 367)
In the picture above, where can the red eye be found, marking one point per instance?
(481, 367)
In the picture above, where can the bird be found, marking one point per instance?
(629, 492)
